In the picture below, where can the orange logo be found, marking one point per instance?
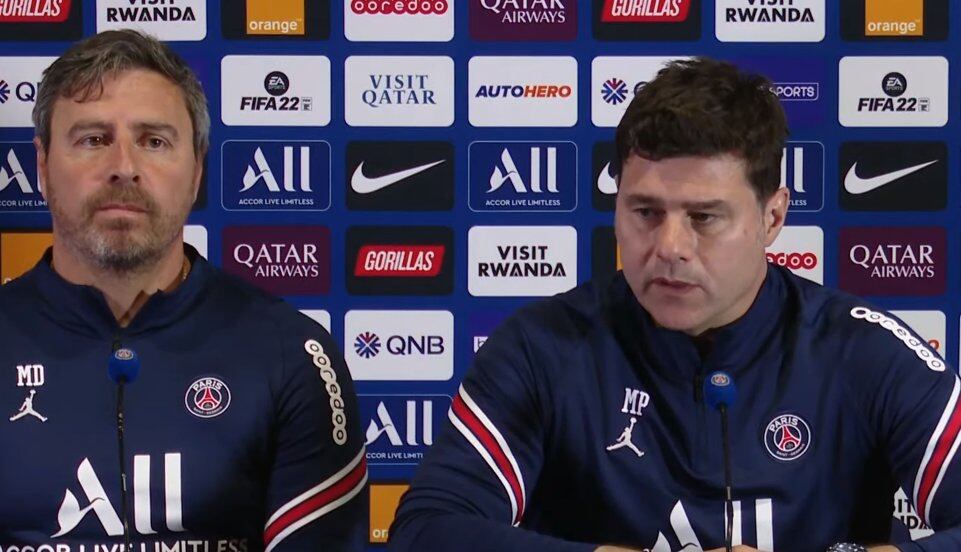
(19, 251)
(275, 17)
(383, 504)
(894, 17)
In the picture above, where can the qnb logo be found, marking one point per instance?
(398, 89)
(614, 91)
(399, 7)
(524, 91)
(4, 92)
(510, 172)
(399, 261)
(150, 13)
(263, 172)
(522, 261)
(414, 429)
(794, 261)
(367, 345)
(12, 172)
(277, 260)
(895, 260)
(797, 91)
(769, 14)
(71, 513)
(645, 11)
(894, 85)
(47, 11)
(25, 91)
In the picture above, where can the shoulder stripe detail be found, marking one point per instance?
(481, 433)
(938, 455)
(331, 494)
(919, 347)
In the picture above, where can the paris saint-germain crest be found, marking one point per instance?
(207, 397)
(787, 437)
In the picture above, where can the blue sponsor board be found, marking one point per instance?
(275, 175)
(481, 325)
(523, 176)
(802, 171)
(800, 83)
(19, 184)
(398, 429)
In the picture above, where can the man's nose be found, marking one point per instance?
(124, 166)
(674, 239)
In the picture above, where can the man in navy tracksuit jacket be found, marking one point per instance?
(241, 426)
(583, 424)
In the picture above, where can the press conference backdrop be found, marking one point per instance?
(409, 172)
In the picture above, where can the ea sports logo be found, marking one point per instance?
(787, 437)
(276, 83)
(894, 84)
(207, 397)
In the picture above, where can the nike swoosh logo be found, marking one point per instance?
(605, 182)
(854, 184)
(362, 184)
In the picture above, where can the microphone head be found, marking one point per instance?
(719, 389)
(124, 366)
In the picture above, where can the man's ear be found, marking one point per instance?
(41, 165)
(775, 213)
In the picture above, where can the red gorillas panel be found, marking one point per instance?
(34, 11)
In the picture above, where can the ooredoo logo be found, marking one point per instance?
(929, 325)
(283, 260)
(801, 250)
(893, 261)
(399, 20)
(645, 11)
(34, 11)
(522, 91)
(400, 7)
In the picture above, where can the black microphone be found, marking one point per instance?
(123, 368)
(720, 393)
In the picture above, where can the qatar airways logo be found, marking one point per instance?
(894, 261)
(283, 260)
(34, 11)
(645, 11)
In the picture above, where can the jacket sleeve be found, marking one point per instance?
(317, 497)
(912, 401)
(472, 488)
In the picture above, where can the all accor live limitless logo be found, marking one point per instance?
(645, 11)
(34, 11)
(394, 260)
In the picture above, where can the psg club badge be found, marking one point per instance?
(207, 397)
(787, 437)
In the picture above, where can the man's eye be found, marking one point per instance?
(703, 218)
(93, 141)
(154, 142)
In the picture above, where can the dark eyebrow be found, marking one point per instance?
(706, 205)
(147, 126)
(84, 125)
(158, 128)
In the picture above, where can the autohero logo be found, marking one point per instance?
(19, 183)
(522, 91)
(769, 20)
(800, 249)
(400, 428)
(165, 19)
(645, 11)
(893, 261)
(416, 91)
(275, 176)
(893, 176)
(34, 11)
(399, 345)
(615, 80)
(275, 90)
(802, 171)
(400, 260)
(521, 261)
(893, 91)
(19, 81)
(400, 176)
(283, 260)
(929, 325)
(523, 176)
(399, 20)
(523, 19)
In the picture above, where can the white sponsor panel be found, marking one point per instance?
(521, 261)
(319, 316)
(615, 79)
(275, 90)
(415, 91)
(399, 20)
(929, 325)
(519, 91)
(895, 91)
(19, 81)
(767, 21)
(906, 514)
(196, 235)
(399, 345)
(172, 20)
(801, 249)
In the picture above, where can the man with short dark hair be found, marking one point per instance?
(590, 417)
(241, 430)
